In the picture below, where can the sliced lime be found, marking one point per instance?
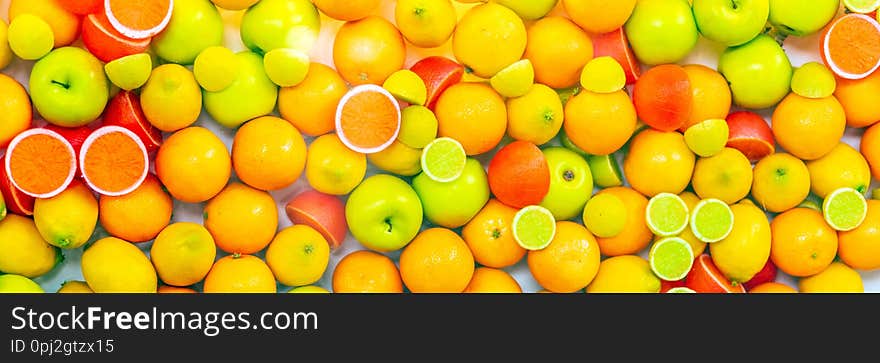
(605, 215)
(845, 209)
(418, 126)
(515, 80)
(603, 75)
(711, 220)
(606, 170)
(443, 159)
(861, 6)
(813, 80)
(671, 258)
(407, 86)
(534, 227)
(667, 214)
(130, 72)
(680, 290)
(707, 138)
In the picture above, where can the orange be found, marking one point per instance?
(366, 272)
(870, 148)
(659, 162)
(488, 38)
(636, 235)
(773, 288)
(139, 19)
(711, 94)
(850, 46)
(242, 219)
(138, 216)
(600, 123)
(803, 243)
(268, 153)
(333, 168)
(436, 261)
(105, 42)
(15, 108)
(808, 128)
(489, 236)
(347, 10)
(860, 99)
(298, 255)
(368, 120)
(490, 280)
(860, 248)
(599, 16)
(40, 163)
(368, 51)
(519, 175)
(474, 115)
(558, 49)
(183, 253)
(234, 4)
(240, 274)
(570, 262)
(113, 161)
(65, 25)
(321, 90)
(838, 278)
(663, 97)
(193, 164)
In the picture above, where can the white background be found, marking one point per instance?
(800, 51)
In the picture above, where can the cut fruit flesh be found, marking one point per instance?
(28, 156)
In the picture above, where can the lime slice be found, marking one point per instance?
(418, 126)
(711, 220)
(407, 86)
(667, 214)
(603, 75)
(845, 209)
(606, 170)
(534, 227)
(861, 6)
(515, 80)
(813, 80)
(443, 159)
(680, 290)
(671, 258)
(605, 215)
(707, 138)
(876, 194)
(131, 71)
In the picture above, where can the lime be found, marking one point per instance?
(811, 204)
(566, 142)
(286, 67)
(707, 138)
(215, 68)
(443, 159)
(418, 126)
(845, 209)
(566, 94)
(876, 194)
(534, 227)
(680, 290)
(131, 71)
(605, 215)
(606, 170)
(667, 214)
(407, 86)
(603, 75)
(2, 207)
(861, 6)
(515, 80)
(671, 258)
(30, 37)
(711, 220)
(813, 80)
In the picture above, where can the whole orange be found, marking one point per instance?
(240, 274)
(268, 153)
(659, 162)
(570, 262)
(193, 164)
(711, 94)
(137, 216)
(489, 235)
(599, 16)
(321, 90)
(860, 248)
(870, 148)
(368, 51)
(803, 243)
(347, 10)
(860, 99)
(558, 49)
(436, 261)
(15, 108)
(808, 127)
(772, 288)
(366, 272)
(519, 175)
(242, 219)
(636, 235)
(65, 25)
(600, 123)
(491, 280)
(474, 115)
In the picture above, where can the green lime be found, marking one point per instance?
(861, 6)
(534, 227)
(418, 126)
(515, 80)
(845, 209)
(711, 220)
(671, 258)
(286, 67)
(667, 214)
(813, 80)
(131, 71)
(603, 75)
(407, 86)
(443, 159)
(707, 138)
(606, 170)
(680, 290)
(215, 68)
(605, 215)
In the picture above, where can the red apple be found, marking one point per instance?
(705, 277)
(750, 134)
(323, 212)
(16, 201)
(439, 73)
(615, 45)
(767, 274)
(124, 110)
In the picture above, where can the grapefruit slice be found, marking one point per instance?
(16, 201)
(139, 19)
(368, 119)
(615, 45)
(107, 44)
(851, 46)
(40, 162)
(125, 110)
(113, 161)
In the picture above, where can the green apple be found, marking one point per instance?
(529, 9)
(252, 94)
(68, 87)
(383, 213)
(731, 22)
(455, 203)
(194, 26)
(571, 183)
(18, 284)
(802, 17)
(759, 72)
(662, 31)
(273, 24)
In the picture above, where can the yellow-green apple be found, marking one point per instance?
(383, 213)
(252, 94)
(454, 203)
(662, 31)
(571, 183)
(802, 17)
(759, 72)
(68, 87)
(194, 26)
(731, 22)
(273, 24)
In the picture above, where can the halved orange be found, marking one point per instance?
(368, 119)
(113, 161)
(139, 19)
(40, 163)
(850, 46)
(107, 44)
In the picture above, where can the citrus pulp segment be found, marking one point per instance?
(40, 163)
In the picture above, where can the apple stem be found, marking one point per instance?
(388, 225)
(65, 85)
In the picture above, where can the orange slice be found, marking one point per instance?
(113, 161)
(851, 46)
(40, 162)
(368, 119)
(139, 19)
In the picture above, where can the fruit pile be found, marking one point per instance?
(573, 140)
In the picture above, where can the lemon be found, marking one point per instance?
(333, 168)
(515, 80)
(624, 274)
(488, 38)
(183, 253)
(24, 251)
(707, 138)
(5, 52)
(18, 284)
(68, 219)
(746, 249)
(130, 72)
(843, 167)
(398, 159)
(418, 126)
(726, 176)
(407, 86)
(112, 265)
(603, 75)
(813, 80)
(836, 278)
(781, 182)
(425, 23)
(536, 117)
(298, 255)
(75, 287)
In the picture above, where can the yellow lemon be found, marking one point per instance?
(659, 162)
(75, 287)
(488, 38)
(746, 249)
(18, 284)
(625, 274)
(309, 289)
(268, 153)
(535, 117)
(25, 252)
(183, 253)
(171, 98)
(298, 255)
(68, 219)
(398, 159)
(843, 167)
(333, 168)
(113, 265)
(780, 182)
(726, 176)
(425, 23)
(5, 51)
(836, 278)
